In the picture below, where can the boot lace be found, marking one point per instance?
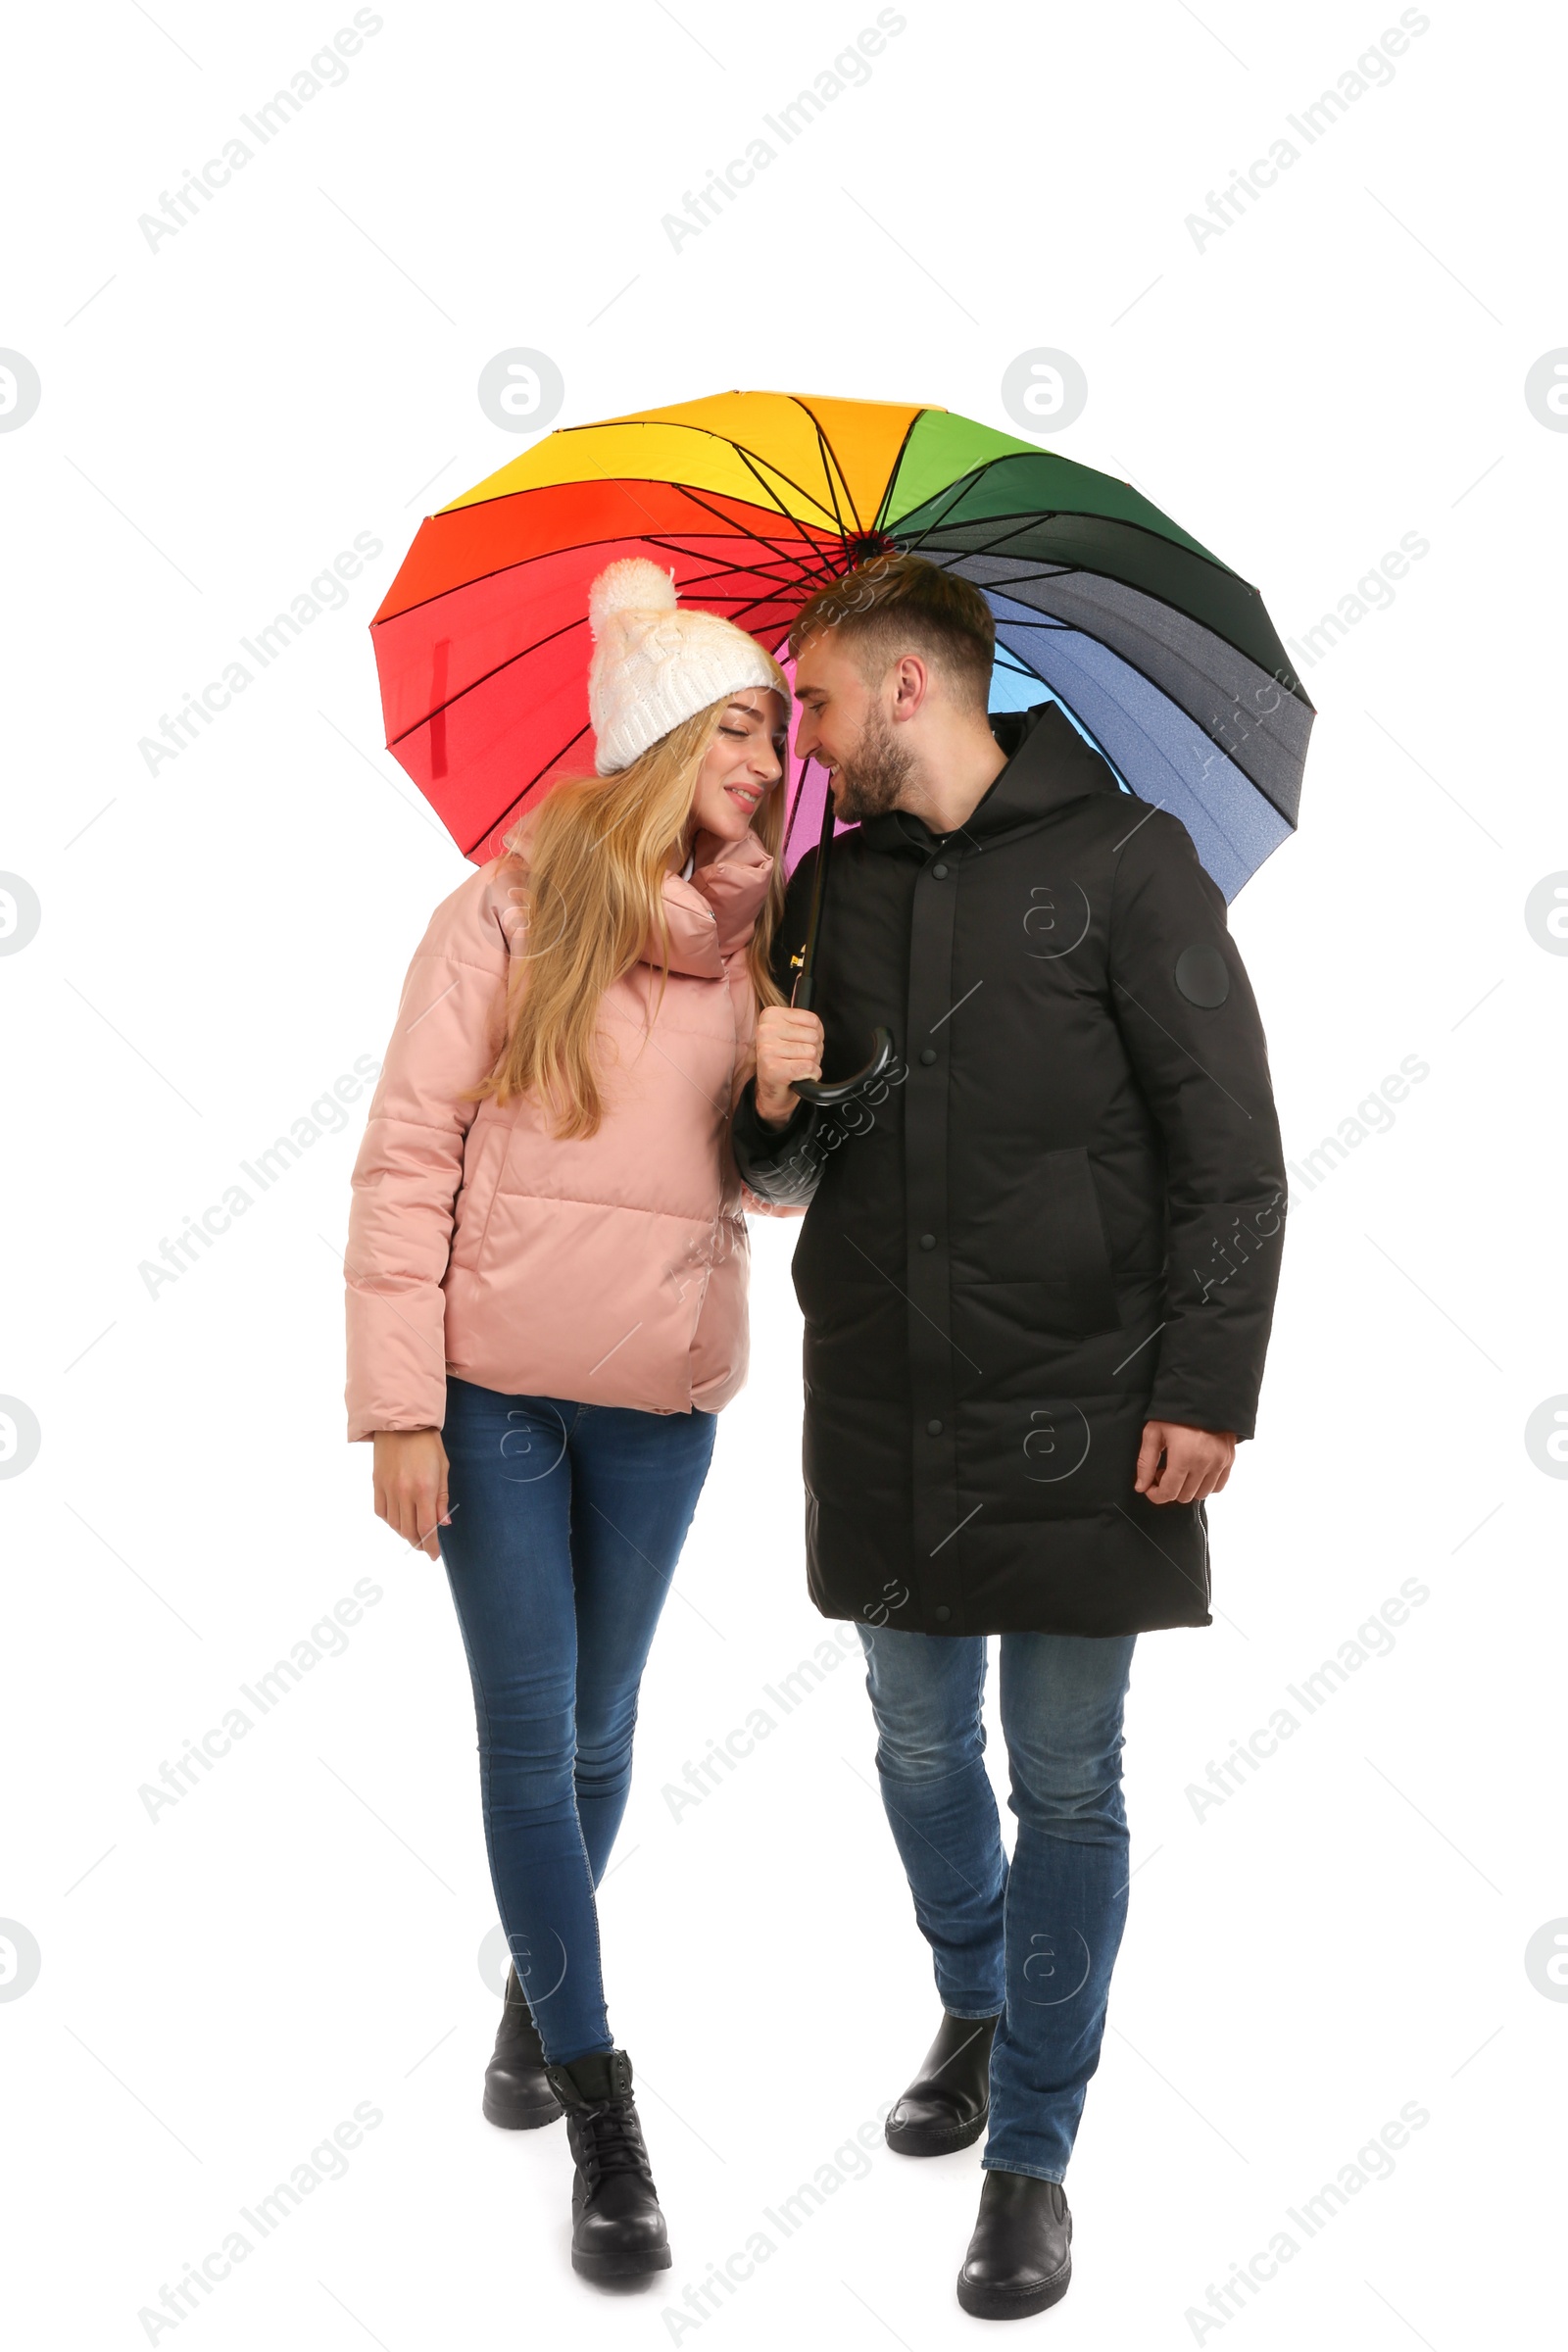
(611, 2140)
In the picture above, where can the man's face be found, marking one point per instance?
(845, 724)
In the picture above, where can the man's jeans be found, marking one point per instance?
(1034, 1940)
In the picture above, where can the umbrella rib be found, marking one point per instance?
(668, 541)
(534, 643)
(749, 458)
(825, 442)
(684, 425)
(692, 544)
(711, 595)
(806, 577)
(679, 425)
(550, 637)
(1122, 522)
(753, 467)
(880, 519)
(712, 589)
(709, 583)
(475, 684)
(830, 467)
(1182, 539)
(1027, 669)
(1090, 571)
(540, 773)
(1020, 522)
(1042, 569)
(1071, 628)
(1017, 526)
(517, 802)
(957, 490)
(519, 562)
(833, 468)
(744, 605)
(698, 500)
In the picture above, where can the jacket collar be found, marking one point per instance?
(715, 911)
(1048, 765)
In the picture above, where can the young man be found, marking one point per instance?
(1037, 1275)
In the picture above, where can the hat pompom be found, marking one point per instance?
(633, 585)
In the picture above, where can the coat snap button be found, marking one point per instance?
(928, 1055)
(933, 1429)
(928, 1241)
(942, 1612)
(939, 873)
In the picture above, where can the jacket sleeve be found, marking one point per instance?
(1182, 999)
(779, 1167)
(409, 1166)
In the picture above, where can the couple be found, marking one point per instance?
(1037, 1279)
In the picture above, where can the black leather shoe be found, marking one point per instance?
(517, 2093)
(618, 2229)
(1020, 2256)
(947, 2104)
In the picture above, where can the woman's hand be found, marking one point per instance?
(788, 1045)
(410, 1485)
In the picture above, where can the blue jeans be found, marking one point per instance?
(567, 1524)
(1034, 1941)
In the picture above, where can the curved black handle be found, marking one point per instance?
(823, 1093)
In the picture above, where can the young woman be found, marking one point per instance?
(547, 1274)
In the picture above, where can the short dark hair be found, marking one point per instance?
(897, 603)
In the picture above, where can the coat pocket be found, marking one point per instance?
(484, 1157)
(1046, 1233)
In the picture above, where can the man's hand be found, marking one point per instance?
(1197, 1462)
(788, 1045)
(410, 1485)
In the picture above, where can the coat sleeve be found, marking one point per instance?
(779, 1167)
(1185, 1007)
(409, 1166)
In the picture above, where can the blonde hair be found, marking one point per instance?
(594, 894)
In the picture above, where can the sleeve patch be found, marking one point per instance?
(1202, 978)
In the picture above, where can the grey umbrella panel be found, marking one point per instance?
(1143, 734)
(1249, 713)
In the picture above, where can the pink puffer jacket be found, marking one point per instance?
(612, 1269)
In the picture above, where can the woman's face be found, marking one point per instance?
(745, 763)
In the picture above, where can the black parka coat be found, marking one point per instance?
(1063, 1217)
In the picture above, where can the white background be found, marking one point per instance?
(221, 416)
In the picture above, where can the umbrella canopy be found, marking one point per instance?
(1161, 656)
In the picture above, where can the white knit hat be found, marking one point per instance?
(654, 665)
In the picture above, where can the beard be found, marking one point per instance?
(869, 783)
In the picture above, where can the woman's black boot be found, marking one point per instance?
(516, 2090)
(618, 2229)
(947, 2104)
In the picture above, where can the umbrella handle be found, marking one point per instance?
(825, 1094)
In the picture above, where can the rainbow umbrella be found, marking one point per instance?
(1161, 656)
